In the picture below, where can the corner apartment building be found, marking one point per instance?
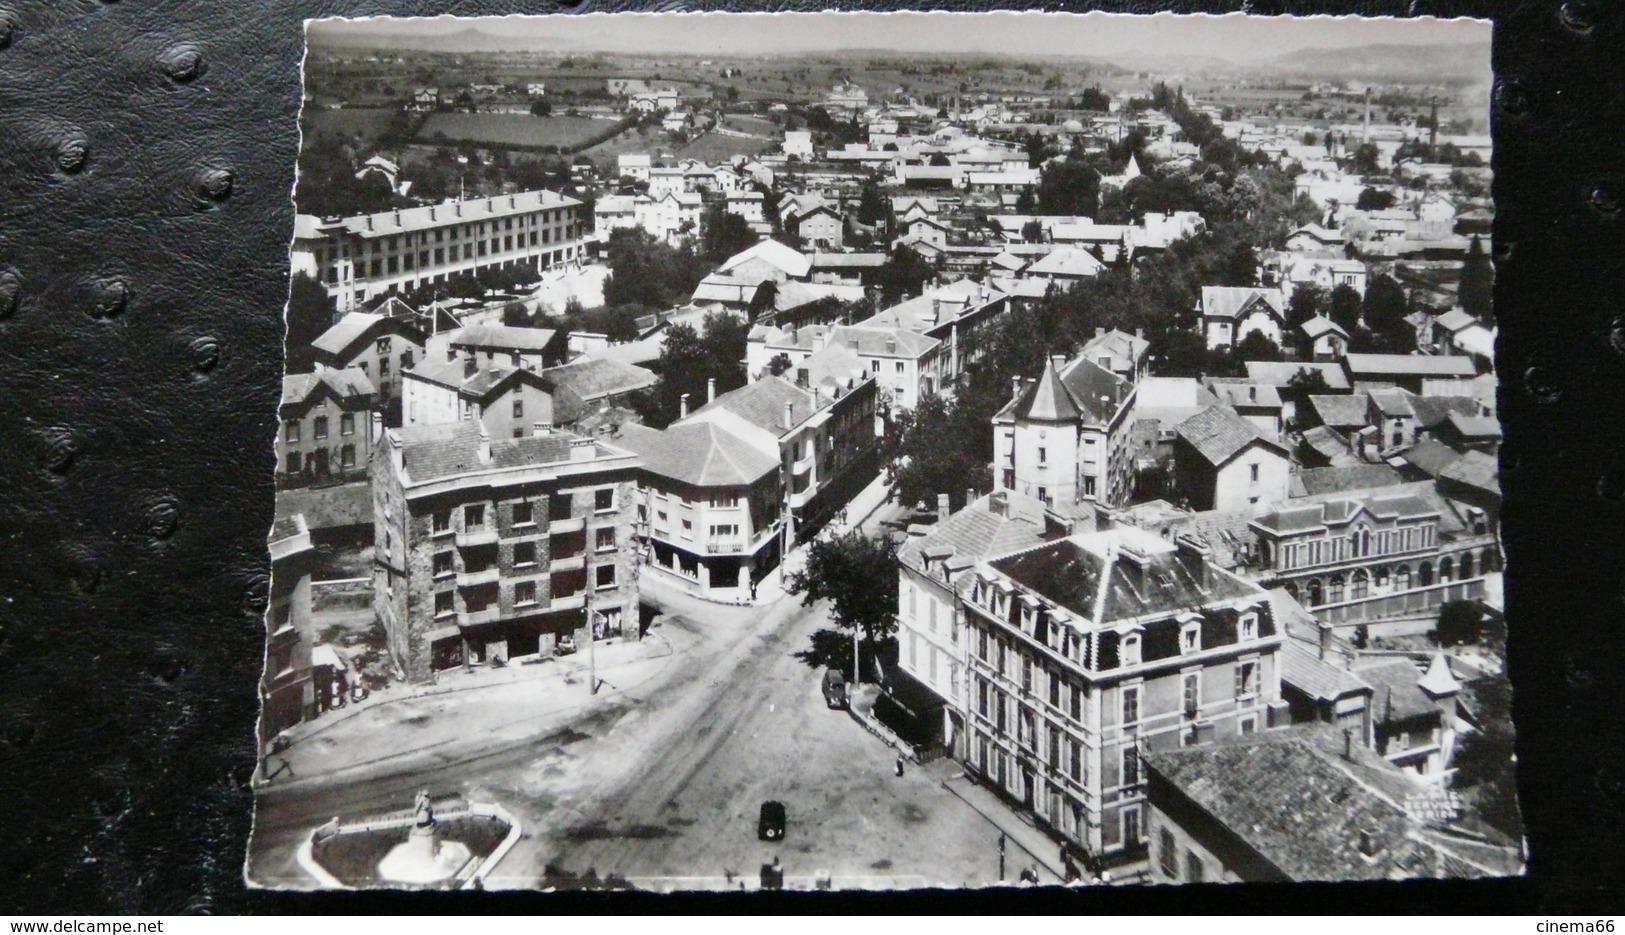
(287, 695)
(365, 256)
(491, 547)
(1085, 652)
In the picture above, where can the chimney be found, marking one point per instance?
(451, 352)
(1368, 843)
(432, 213)
(458, 207)
(999, 503)
(891, 345)
(1252, 393)
(1100, 332)
(711, 390)
(469, 366)
(942, 507)
(581, 449)
(397, 217)
(1015, 387)
(970, 496)
(1325, 640)
(369, 222)
(1059, 360)
(936, 311)
(1348, 744)
(485, 445)
(1139, 332)
(789, 415)
(511, 202)
(682, 406)
(538, 429)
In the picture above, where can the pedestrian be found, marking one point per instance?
(899, 764)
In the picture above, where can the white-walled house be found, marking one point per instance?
(1230, 313)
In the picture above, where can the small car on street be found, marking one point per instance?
(834, 688)
(770, 823)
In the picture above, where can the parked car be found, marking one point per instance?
(770, 824)
(566, 645)
(834, 688)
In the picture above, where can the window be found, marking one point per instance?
(1248, 725)
(1424, 574)
(725, 501)
(688, 529)
(383, 366)
(981, 697)
(1247, 679)
(291, 433)
(1192, 689)
(443, 563)
(1131, 650)
(604, 575)
(441, 521)
(1131, 704)
(1026, 673)
(1252, 473)
(1249, 628)
(1052, 750)
(518, 408)
(1055, 691)
(293, 462)
(604, 538)
(1075, 766)
(1190, 638)
(524, 553)
(1334, 590)
(1402, 578)
(382, 346)
(1131, 766)
(347, 424)
(524, 592)
(1042, 455)
(319, 427)
(406, 359)
(474, 516)
(1077, 703)
(523, 513)
(1193, 867)
(443, 605)
(604, 499)
(1359, 585)
(1167, 858)
(347, 457)
(998, 712)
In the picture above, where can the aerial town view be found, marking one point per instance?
(887, 451)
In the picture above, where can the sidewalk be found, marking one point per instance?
(1025, 843)
(409, 720)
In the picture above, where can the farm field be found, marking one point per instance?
(512, 129)
(366, 122)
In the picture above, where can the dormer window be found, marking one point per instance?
(1249, 628)
(1190, 637)
(1131, 649)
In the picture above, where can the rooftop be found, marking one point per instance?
(447, 213)
(1219, 434)
(504, 337)
(1342, 410)
(1408, 365)
(436, 452)
(703, 454)
(1232, 301)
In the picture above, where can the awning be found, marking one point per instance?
(324, 655)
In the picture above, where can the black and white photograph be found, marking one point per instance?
(887, 451)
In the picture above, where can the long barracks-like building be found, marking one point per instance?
(359, 258)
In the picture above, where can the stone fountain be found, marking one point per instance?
(423, 858)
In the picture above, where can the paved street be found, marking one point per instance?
(657, 779)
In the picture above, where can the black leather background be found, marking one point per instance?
(146, 160)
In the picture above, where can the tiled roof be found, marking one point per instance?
(438, 451)
(1455, 320)
(700, 453)
(286, 527)
(1398, 691)
(1125, 349)
(1394, 403)
(503, 337)
(762, 404)
(1242, 395)
(793, 263)
(1218, 434)
(885, 342)
(428, 217)
(1096, 390)
(1430, 456)
(1475, 469)
(1047, 399)
(720, 287)
(848, 260)
(1330, 445)
(1304, 670)
(1422, 365)
(346, 331)
(1349, 477)
(980, 530)
(1336, 510)
(596, 379)
(1068, 572)
(1281, 373)
(300, 387)
(1231, 301)
(1066, 262)
(1475, 426)
(1432, 410)
(1438, 680)
(1342, 410)
(1295, 804)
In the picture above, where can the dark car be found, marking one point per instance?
(834, 689)
(566, 645)
(770, 826)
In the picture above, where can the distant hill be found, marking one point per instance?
(396, 37)
(1385, 64)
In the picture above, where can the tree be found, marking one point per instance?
(858, 576)
(872, 206)
(647, 272)
(724, 233)
(1364, 159)
(1343, 308)
(1027, 201)
(1460, 623)
(1257, 346)
(1485, 758)
(902, 276)
(1069, 186)
(515, 315)
(310, 313)
(541, 108)
(1032, 231)
(1307, 301)
(690, 359)
(1375, 199)
(1477, 290)
(1384, 309)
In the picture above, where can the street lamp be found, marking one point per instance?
(592, 644)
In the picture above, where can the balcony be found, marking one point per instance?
(803, 465)
(485, 575)
(567, 562)
(568, 524)
(725, 546)
(568, 602)
(471, 618)
(470, 538)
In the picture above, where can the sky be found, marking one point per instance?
(1235, 37)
